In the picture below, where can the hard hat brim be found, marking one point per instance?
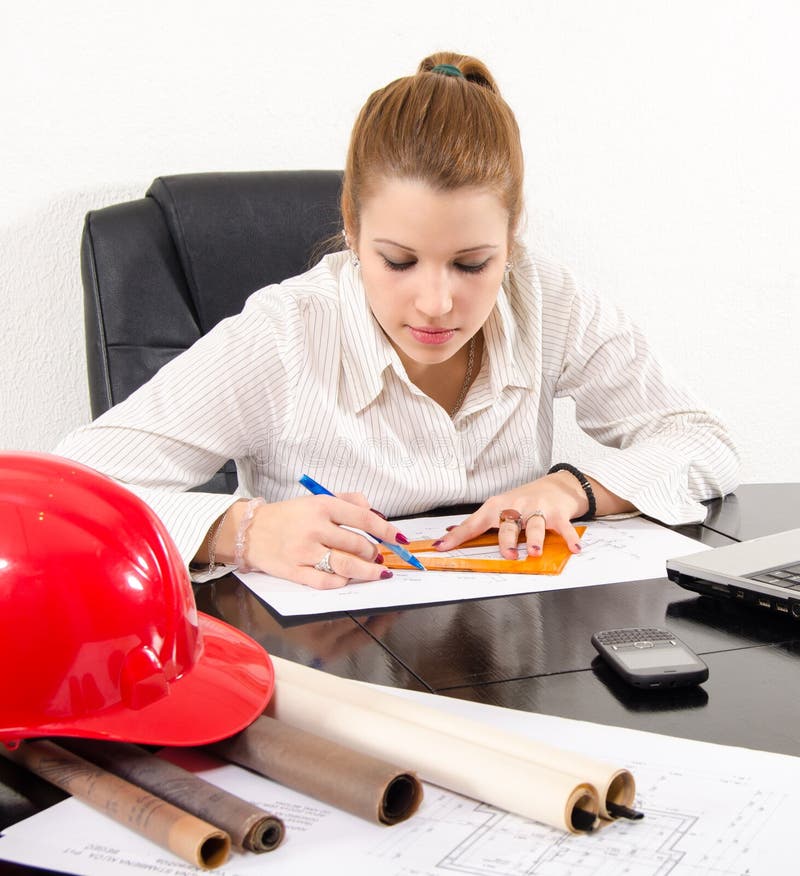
(228, 687)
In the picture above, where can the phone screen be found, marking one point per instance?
(651, 657)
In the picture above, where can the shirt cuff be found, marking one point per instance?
(656, 480)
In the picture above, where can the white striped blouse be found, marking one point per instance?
(304, 381)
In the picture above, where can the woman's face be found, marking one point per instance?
(432, 263)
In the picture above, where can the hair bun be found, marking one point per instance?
(468, 67)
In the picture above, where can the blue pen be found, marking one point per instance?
(318, 490)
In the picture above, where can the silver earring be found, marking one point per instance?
(509, 266)
(354, 260)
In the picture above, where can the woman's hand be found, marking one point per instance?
(550, 502)
(287, 539)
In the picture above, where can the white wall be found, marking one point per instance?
(662, 146)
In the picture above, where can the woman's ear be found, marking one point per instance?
(348, 241)
(349, 238)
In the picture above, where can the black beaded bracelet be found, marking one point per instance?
(584, 482)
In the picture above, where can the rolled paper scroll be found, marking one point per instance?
(358, 783)
(250, 827)
(614, 784)
(478, 771)
(182, 833)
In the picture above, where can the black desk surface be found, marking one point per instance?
(532, 652)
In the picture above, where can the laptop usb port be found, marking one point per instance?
(764, 603)
(783, 609)
(739, 594)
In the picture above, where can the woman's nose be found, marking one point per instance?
(434, 297)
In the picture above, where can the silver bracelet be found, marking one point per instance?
(212, 542)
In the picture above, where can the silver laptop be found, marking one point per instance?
(763, 572)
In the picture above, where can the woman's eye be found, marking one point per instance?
(398, 266)
(459, 266)
(472, 269)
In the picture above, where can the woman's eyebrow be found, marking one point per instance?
(393, 243)
(476, 248)
(412, 250)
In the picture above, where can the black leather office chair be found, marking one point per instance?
(161, 271)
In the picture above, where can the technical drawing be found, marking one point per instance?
(470, 838)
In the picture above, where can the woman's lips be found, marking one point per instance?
(432, 336)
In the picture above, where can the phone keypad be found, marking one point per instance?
(638, 637)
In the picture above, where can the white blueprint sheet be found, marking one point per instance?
(633, 549)
(709, 809)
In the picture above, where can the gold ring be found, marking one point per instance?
(510, 515)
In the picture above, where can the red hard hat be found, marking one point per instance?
(99, 632)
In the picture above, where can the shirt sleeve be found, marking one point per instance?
(208, 405)
(673, 453)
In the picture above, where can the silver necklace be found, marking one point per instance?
(467, 378)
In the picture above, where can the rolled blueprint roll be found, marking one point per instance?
(361, 784)
(516, 785)
(249, 827)
(615, 785)
(181, 833)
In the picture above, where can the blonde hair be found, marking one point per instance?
(447, 131)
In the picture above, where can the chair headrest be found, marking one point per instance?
(238, 232)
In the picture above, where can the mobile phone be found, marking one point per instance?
(651, 658)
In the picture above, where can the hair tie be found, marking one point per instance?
(447, 70)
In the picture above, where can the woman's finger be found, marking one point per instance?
(311, 577)
(509, 526)
(567, 531)
(354, 499)
(333, 569)
(534, 533)
(360, 517)
(476, 524)
(345, 565)
(350, 542)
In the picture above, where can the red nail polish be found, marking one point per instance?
(578, 547)
(437, 542)
(386, 574)
(374, 511)
(379, 558)
(536, 547)
(401, 539)
(450, 528)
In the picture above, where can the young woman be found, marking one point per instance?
(417, 367)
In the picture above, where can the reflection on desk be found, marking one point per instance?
(339, 641)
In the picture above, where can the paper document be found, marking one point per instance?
(708, 809)
(620, 550)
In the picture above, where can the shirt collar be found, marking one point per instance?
(507, 352)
